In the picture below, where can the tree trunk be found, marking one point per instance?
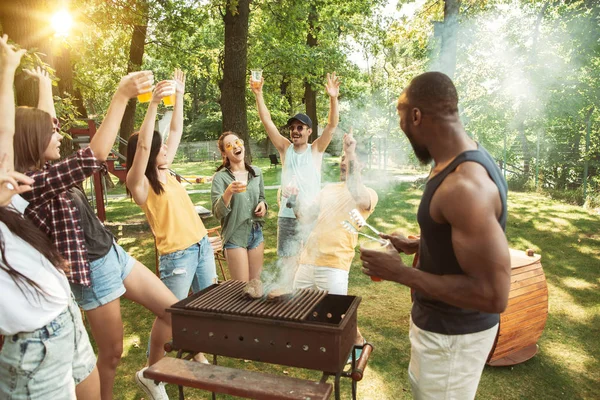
(449, 37)
(136, 57)
(233, 84)
(310, 96)
(284, 89)
(21, 21)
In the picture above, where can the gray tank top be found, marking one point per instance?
(436, 256)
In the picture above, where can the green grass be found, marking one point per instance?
(568, 238)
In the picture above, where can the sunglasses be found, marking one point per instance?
(238, 143)
(298, 128)
(55, 125)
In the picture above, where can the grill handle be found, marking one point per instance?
(361, 364)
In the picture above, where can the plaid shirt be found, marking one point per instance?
(53, 211)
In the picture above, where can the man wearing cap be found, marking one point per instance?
(301, 169)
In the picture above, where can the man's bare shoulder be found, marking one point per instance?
(467, 189)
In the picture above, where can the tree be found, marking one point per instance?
(235, 59)
(136, 58)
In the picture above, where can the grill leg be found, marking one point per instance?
(336, 385)
(181, 396)
(214, 395)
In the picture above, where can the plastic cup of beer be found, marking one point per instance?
(243, 182)
(169, 100)
(145, 97)
(379, 246)
(256, 77)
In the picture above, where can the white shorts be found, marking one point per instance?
(334, 280)
(447, 366)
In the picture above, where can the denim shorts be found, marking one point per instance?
(49, 362)
(290, 236)
(192, 267)
(107, 275)
(254, 240)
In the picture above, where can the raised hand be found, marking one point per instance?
(40, 74)
(162, 89)
(333, 85)
(135, 83)
(11, 57)
(179, 77)
(349, 143)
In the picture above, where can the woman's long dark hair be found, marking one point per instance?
(26, 230)
(151, 171)
(33, 131)
(225, 161)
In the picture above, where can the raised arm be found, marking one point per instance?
(353, 179)
(333, 90)
(45, 99)
(176, 128)
(280, 142)
(136, 181)
(470, 207)
(9, 62)
(130, 86)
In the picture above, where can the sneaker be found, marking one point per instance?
(154, 391)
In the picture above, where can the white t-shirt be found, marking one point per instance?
(28, 310)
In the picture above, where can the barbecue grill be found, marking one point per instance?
(308, 329)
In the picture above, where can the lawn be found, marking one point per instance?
(568, 238)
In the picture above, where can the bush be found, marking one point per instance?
(574, 197)
(520, 183)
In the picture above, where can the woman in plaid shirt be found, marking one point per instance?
(100, 270)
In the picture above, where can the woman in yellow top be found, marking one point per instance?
(186, 256)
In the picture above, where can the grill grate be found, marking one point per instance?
(229, 298)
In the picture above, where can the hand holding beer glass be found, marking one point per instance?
(162, 90)
(146, 91)
(375, 245)
(179, 84)
(256, 80)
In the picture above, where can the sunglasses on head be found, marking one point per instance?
(55, 125)
(298, 128)
(238, 143)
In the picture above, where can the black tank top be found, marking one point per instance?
(436, 256)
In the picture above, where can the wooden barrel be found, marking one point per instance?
(524, 319)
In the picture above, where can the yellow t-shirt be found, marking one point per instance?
(329, 244)
(173, 218)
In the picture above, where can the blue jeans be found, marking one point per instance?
(194, 266)
(48, 362)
